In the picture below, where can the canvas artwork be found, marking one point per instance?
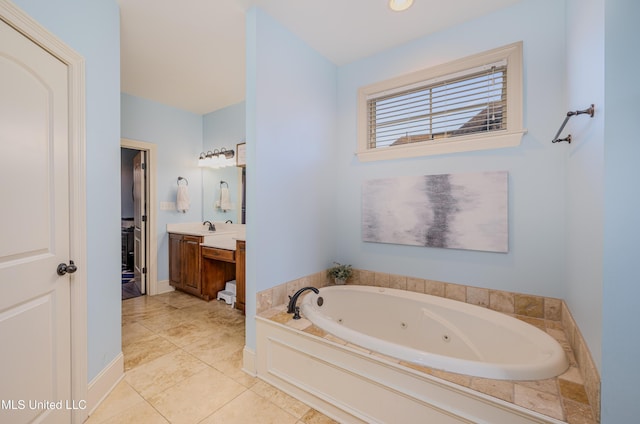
(456, 211)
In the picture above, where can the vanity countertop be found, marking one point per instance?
(224, 237)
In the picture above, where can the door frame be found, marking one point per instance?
(25, 24)
(152, 213)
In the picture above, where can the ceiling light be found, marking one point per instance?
(400, 5)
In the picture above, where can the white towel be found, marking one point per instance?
(182, 201)
(225, 201)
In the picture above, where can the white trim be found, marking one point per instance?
(455, 145)
(152, 233)
(512, 53)
(249, 362)
(103, 383)
(239, 196)
(164, 286)
(77, 189)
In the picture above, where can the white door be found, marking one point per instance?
(140, 221)
(35, 359)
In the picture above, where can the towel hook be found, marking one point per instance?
(590, 111)
(224, 182)
(184, 179)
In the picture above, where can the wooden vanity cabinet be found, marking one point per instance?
(203, 271)
(218, 267)
(240, 274)
(175, 260)
(185, 263)
(191, 264)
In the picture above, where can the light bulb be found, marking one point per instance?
(400, 5)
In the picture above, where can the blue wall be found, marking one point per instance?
(585, 169)
(620, 286)
(93, 30)
(178, 135)
(291, 106)
(534, 263)
(223, 128)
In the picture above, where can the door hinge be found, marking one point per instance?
(144, 218)
(144, 270)
(144, 166)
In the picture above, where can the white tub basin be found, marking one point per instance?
(436, 332)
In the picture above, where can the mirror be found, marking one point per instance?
(223, 128)
(214, 181)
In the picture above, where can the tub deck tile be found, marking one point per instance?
(538, 401)
(334, 339)
(573, 374)
(536, 322)
(573, 391)
(578, 413)
(549, 385)
(312, 329)
(461, 379)
(501, 389)
(298, 324)
(281, 317)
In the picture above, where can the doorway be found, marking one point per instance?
(139, 251)
(133, 222)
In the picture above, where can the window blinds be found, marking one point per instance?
(469, 102)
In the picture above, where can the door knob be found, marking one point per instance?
(64, 268)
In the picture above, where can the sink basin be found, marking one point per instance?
(221, 240)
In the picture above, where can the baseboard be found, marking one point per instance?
(163, 287)
(105, 382)
(249, 362)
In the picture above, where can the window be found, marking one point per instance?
(471, 104)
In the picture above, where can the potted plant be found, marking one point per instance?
(340, 273)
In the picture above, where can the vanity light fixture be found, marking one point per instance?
(400, 5)
(216, 159)
(202, 160)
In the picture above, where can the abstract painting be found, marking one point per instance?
(456, 211)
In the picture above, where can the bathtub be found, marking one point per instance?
(436, 332)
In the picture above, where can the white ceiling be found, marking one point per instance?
(189, 54)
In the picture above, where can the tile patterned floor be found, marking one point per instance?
(182, 360)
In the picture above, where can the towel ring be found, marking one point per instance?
(185, 180)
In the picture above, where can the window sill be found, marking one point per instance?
(466, 144)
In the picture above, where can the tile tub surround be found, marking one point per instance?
(584, 359)
(575, 396)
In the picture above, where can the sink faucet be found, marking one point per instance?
(211, 226)
(292, 308)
